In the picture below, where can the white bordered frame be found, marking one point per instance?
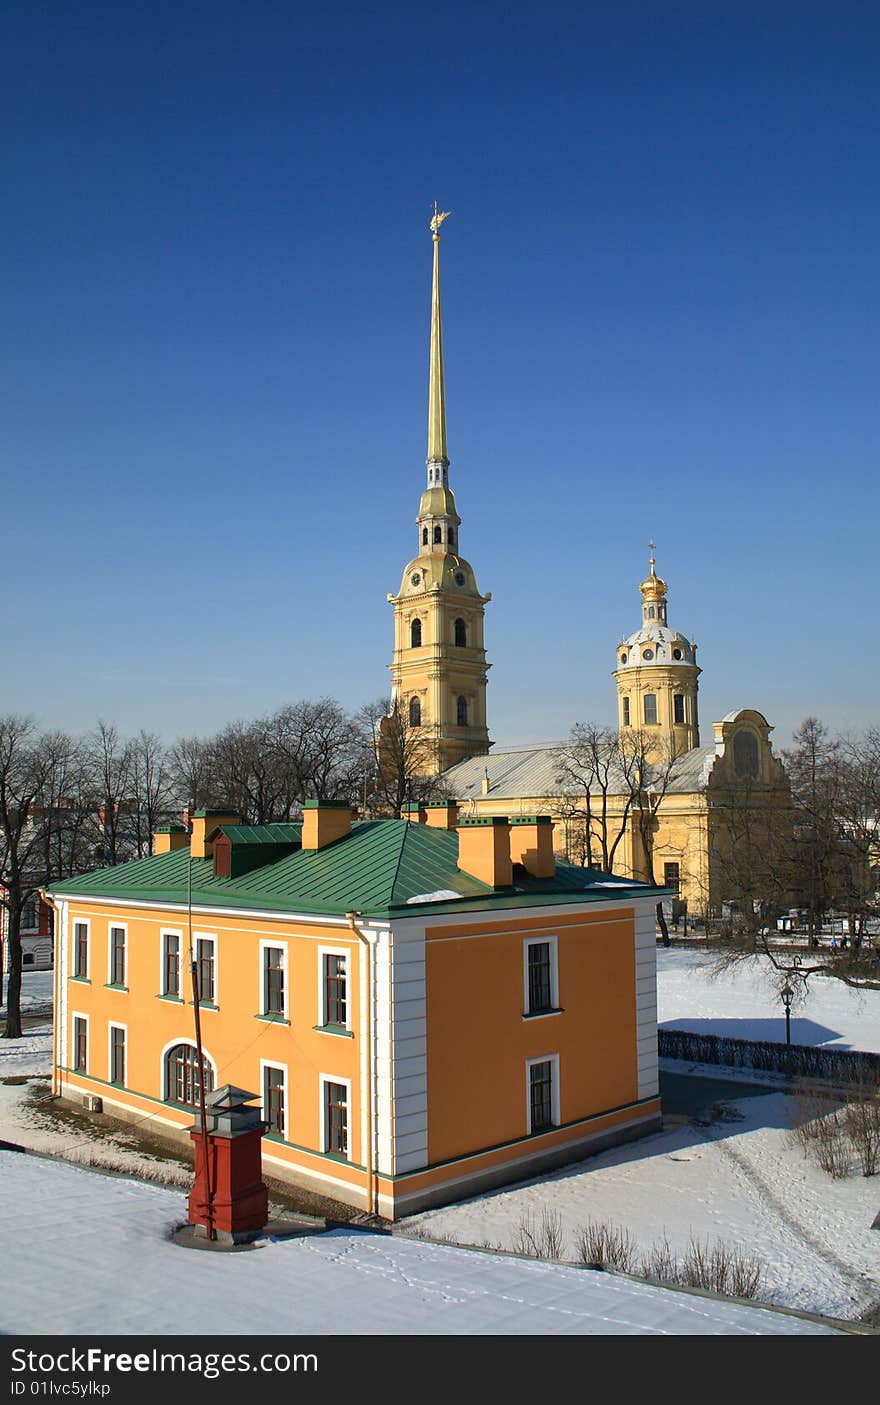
(164, 934)
(81, 941)
(111, 1026)
(265, 1066)
(325, 955)
(552, 1060)
(325, 1081)
(112, 927)
(553, 1008)
(266, 945)
(201, 940)
(79, 1027)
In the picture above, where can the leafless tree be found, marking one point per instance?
(404, 756)
(649, 766)
(594, 768)
(32, 765)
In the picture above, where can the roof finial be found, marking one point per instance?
(436, 387)
(651, 545)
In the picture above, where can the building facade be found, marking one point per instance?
(424, 1009)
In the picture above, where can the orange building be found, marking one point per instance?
(425, 1010)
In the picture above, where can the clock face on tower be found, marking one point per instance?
(459, 578)
(414, 578)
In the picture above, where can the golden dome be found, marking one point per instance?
(653, 588)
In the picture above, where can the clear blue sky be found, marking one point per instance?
(661, 309)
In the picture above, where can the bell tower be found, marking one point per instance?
(657, 674)
(438, 672)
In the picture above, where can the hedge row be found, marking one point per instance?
(800, 1060)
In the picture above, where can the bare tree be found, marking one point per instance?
(594, 772)
(109, 758)
(404, 756)
(30, 765)
(150, 788)
(649, 767)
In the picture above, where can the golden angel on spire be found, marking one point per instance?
(439, 217)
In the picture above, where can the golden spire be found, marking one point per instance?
(653, 589)
(436, 388)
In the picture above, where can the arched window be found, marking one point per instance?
(182, 1075)
(415, 712)
(438, 536)
(461, 711)
(424, 536)
(450, 537)
(415, 634)
(650, 709)
(626, 712)
(651, 612)
(460, 634)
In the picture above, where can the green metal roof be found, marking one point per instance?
(262, 833)
(384, 868)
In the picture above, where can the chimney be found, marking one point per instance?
(441, 814)
(531, 844)
(325, 821)
(169, 836)
(484, 849)
(416, 814)
(204, 822)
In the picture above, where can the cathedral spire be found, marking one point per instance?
(438, 458)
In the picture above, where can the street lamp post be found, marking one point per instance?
(787, 995)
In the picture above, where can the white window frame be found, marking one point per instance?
(171, 932)
(74, 1016)
(264, 1102)
(656, 720)
(555, 1102)
(554, 977)
(212, 938)
(323, 1080)
(324, 951)
(81, 922)
(267, 944)
(111, 1025)
(119, 927)
(163, 1072)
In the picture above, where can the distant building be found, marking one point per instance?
(696, 808)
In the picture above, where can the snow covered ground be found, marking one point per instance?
(79, 1233)
(742, 1004)
(737, 1179)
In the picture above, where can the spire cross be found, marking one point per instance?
(651, 545)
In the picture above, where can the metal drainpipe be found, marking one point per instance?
(367, 945)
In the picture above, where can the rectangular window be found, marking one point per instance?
(540, 989)
(117, 956)
(672, 877)
(205, 961)
(335, 1002)
(273, 1099)
(80, 1044)
(336, 1118)
(117, 1054)
(626, 722)
(650, 709)
(273, 980)
(81, 950)
(171, 965)
(542, 1095)
(678, 707)
(29, 918)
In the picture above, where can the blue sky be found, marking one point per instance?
(660, 303)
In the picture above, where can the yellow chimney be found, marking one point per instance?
(325, 821)
(169, 836)
(484, 849)
(531, 844)
(204, 822)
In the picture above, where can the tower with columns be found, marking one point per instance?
(439, 668)
(657, 675)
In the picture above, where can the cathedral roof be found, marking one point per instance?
(534, 773)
